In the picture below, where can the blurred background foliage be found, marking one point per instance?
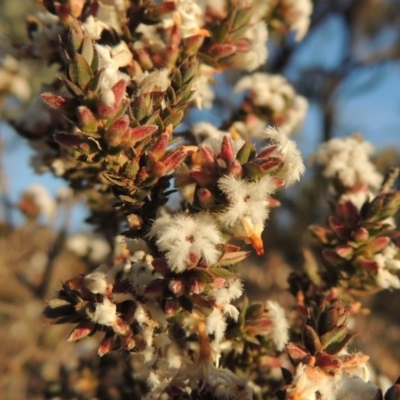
(348, 67)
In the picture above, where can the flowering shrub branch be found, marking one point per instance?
(128, 72)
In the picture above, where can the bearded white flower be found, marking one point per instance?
(280, 326)
(288, 151)
(105, 313)
(257, 54)
(347, 159)
(187, 239)
(388, 266)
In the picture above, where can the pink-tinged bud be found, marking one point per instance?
(367, 264)
(155, 288)
(161, 145)
(235, 169)
(127, 342)
(82, 330)
(134, 135)
(278, 182)
(87, 121)
(106, 345)
(196, 287)
(144, 59)
(327, 362)
(193, 259)
(63, 14)
(379, 244)
(243, 45)
(174, 160)
(115, 133)
(296, 353)
(219, 282)
(177, 286)
(206, 198)
(273, 203)
(121, 328)
(227, 153)
(103, 108)
(119, 90)
(331, 256)
(361, 235)
(340, 230)
(159, 169)
(156, 12)
(175, 37)
(208, 157)
(267, 152)
(219, 51)
(161, 266)
(344, 251)
(193, 44)
(348, 212)
(171, 306)
(61, 103)
(202, 178)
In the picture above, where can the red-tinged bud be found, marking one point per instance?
(121, 328)
(379, 244)
(171, 56)
(161, 266)
(227, 153)
(83, 329)
(219, 51)
(243, 45)
(273, 203)
(218, 282)
(61, 103)
(106, 345)
(87, 121)
(208, 158)
(159, 169)
(171, 306)
(206, 198)
(174, 160)
(196, 287)
(127, 342)
(344, 251)
(296, 353)
(75, 142)
(155, 288)
(348, 212)
(267, 152)
(177, 286)
(327, 362)
(134, 135)
(63, 14)
(145, 60)
(367, 264)
(156, 12)
(114, 135)
(278, 182)
(331, 257)
(361, 235)
(193, 44)
(161, 145)
(202, 178)
(175, 37)
(340, 230)
(193, 259)
(235, 169)
(105, 110)
(119, 90)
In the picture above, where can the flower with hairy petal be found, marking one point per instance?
(187, 240)
(288, 151)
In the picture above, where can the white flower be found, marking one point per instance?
(280, 326)
(216, 325)
(246, 200)
(288, 150)
(203, 95)
(231, 290)
(388, 266)
(186, 240)
(188, 16)
(275, 93)
(44, 200)
(105, 313)
(347, 159)
(96, 281)
(257, 53)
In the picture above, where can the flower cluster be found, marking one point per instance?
(271, 101)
